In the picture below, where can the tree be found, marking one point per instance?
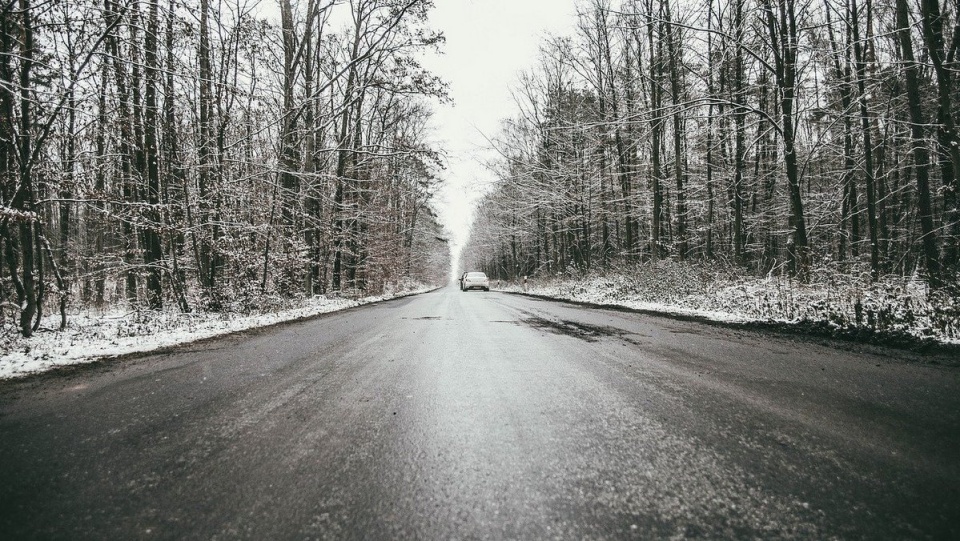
(921, 159)
(158, 151)
(809, 117)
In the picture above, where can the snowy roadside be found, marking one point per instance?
(894, 313)
(94, 335)
(578, 292)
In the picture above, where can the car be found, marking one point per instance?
(462, 276)
(475, 280)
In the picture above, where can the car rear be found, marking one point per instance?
(476, 280)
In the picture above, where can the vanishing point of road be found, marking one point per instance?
(481, 415)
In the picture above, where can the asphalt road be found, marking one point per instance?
(485, 416)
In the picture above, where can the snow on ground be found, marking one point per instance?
(596, 293)
(895, 307)
(94, 335)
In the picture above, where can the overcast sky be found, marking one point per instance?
(489, 42)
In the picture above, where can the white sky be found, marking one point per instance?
(489, 42)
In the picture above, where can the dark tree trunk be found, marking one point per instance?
(674, 54)
(921, 157)
(656, 136)
(869, 184)
(174, 184)
(948, 140)
(782, 27)
(153, 250)
(206, 258)
(24, 200)
(740, 147)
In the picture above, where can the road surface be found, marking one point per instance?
(485, 415)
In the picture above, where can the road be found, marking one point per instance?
(485, 415)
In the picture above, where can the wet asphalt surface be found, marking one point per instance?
(486, 416)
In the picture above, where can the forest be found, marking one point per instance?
(810, 140)
(197, 155)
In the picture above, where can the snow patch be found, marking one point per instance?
(895, 306)
(93, 335)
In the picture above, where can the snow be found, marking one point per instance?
(893, 307)
(595, 293)
(93, 335)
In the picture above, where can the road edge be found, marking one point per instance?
(101, 361)
(926, 351)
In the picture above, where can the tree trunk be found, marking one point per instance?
(948, 140)
(921, 157)
(656, 135)
(740, 148)
(782, 28)
(675, 58)
(206, 260)
(174, 183)
(153, 252)
(869, 184)
(24, 199)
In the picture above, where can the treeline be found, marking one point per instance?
(189, 152)
(777, 136)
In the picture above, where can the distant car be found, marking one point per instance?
(475, 280)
